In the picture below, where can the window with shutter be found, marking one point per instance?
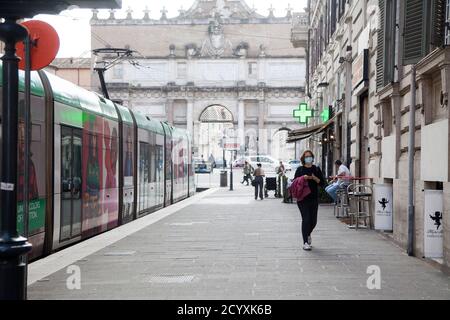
(380, 45)
(327, 23)
(438, 19)
(390, 16)
(322, 39)
(341, 8)
(333, 16)
(415, 35)
(447, 23)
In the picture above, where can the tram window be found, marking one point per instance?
(153, 164)
(144, 174)
(168, 162)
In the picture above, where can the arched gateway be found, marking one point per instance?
(216, 123)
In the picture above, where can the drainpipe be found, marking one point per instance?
(411, 153)
(308, 91)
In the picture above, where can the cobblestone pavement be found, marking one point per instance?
(229, 246)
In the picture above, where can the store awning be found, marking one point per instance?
(306, 133)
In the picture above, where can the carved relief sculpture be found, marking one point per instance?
(216, 44)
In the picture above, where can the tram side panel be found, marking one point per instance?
(168, 167)
(93, 172)
(68, 192)
(192, 186)
(128, 148)
(180, 166)
(159, 168)
(150, 171)
(85, 164)
(143, 145)
(37, 192)
(110, 183)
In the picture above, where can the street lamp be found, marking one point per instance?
(13, 247)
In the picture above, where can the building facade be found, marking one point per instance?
(218, 69)
(75, 70)
(366, 60)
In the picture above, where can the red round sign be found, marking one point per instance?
(45, 46)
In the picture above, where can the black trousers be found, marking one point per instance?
(259, 185)
(247, 178)
(308, 209)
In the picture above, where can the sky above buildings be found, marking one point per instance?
(74, 30)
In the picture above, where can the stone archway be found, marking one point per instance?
(216, 122)
(280, 149)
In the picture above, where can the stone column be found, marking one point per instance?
(241, 123)
(190, 118)
(261, 128)
(169, 111)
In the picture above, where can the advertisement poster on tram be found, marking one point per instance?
(110, 194)
(92, 173)
(37, 202)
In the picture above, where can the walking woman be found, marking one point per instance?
(310, 204)
(259, 182)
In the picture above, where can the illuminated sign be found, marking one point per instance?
(303, 113)
(326, 114)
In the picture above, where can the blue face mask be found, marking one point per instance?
(309, 160)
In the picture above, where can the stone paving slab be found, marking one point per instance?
(227, 246)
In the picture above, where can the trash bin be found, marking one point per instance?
(223, 179)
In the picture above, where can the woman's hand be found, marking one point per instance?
(317, 180)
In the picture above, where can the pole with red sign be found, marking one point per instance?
(13, 247)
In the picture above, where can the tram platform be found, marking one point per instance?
(222, 245)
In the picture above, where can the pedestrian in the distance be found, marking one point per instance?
(310, 204)
(259, 182)
(248, 171)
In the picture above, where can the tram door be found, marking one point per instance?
(71, 199)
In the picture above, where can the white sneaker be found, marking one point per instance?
(310, 240)
(307, 247)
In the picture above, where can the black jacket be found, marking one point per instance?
(301, 171)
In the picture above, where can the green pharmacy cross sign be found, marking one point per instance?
(303, 113)
(325, 115)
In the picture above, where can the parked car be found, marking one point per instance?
(295, 164)
(220, 164)
(202, 166)
(287, 166)
(239, 163)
